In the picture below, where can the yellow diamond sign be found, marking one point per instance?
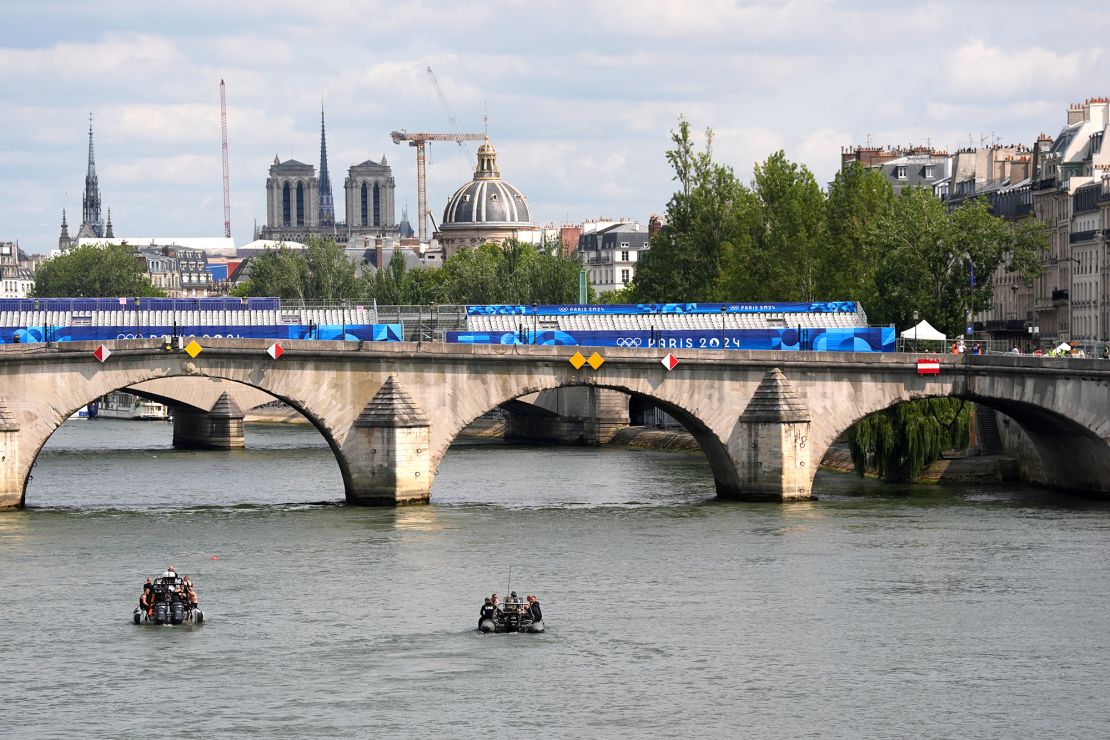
(193, 349)
(577, 360)
(595, 360)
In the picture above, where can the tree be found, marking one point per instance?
(900, 441)
(939, 263)
(320, 272)
(857, 198)
(101, 271)
(789, 236)
(710, 214)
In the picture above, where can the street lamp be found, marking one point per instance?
(915, 331)
(535, 322)
(724, 308)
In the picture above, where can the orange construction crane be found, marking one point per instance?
(418, 141)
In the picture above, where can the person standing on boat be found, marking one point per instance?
(496, 603)
(486, 612)
(534, 609)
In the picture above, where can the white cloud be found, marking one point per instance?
(993, 72)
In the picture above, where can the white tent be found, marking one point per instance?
(923, 331)
(1064, 347)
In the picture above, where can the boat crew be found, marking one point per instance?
(487, 611)
(534, 609)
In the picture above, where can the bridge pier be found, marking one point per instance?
(579, 415)
(218, 429)
(769, 445)
(11, 482)
(387, 451)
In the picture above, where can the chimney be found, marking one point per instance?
(1076, 113)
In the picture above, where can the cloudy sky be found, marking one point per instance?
(581, 96)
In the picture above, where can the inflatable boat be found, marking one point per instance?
(512, 618)
(169, 605)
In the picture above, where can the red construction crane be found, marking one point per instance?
(418, 141)
(227, 185)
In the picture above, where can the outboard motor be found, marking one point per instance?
(161, 613)
(177, 612)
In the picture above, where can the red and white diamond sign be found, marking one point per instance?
(102, 353)
(669, 361)
(275, 350)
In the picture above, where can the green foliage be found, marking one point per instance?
(900, 441)
(927, 256)
(856, 199)
(509, 273)
(320, 272)
(94, 271)
(627, 294)
(708, 216)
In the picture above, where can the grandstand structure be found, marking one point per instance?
(74, 319)
(708, 321)
(838, 326)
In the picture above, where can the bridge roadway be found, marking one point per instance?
(390, 411)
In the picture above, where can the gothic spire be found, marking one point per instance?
(63, 238)
(90, 203)
(327, 205)
(108, 227)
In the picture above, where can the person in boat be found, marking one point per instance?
(170, 572)
(190, 594)
(486, 611)
(146, 598)
(496, 603)
(534, 609)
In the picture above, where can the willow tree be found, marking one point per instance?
(898, 442)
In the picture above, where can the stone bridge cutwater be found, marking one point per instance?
(390, 411)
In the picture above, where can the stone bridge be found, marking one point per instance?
(390, 411)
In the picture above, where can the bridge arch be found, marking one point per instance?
(715, 449)
(1073, 456)
(78, 396)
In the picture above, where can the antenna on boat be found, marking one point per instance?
(509, 588)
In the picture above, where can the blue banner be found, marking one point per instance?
(349, 332)
(667, 308)
(831, 339)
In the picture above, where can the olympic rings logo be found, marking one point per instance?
(629, 341)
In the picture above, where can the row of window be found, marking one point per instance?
(901, 171)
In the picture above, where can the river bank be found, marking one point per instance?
(949, 470)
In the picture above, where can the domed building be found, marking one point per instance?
(486, 209)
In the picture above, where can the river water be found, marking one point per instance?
(871, 613)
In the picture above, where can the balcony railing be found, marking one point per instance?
(1083, 236)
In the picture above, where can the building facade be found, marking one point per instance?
(904, 167)
(609, 252)
(180, 272)
(485, 210)
(16, 280)
(300, 205)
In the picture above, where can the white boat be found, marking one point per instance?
(123, 405)
(81, 413)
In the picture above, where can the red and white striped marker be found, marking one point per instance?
(928, 367)
(669, 361)
(275, 351)
(102, 353)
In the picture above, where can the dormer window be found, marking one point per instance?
(493, 197)
(900, 172)
(929, 172)
(466, 198)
